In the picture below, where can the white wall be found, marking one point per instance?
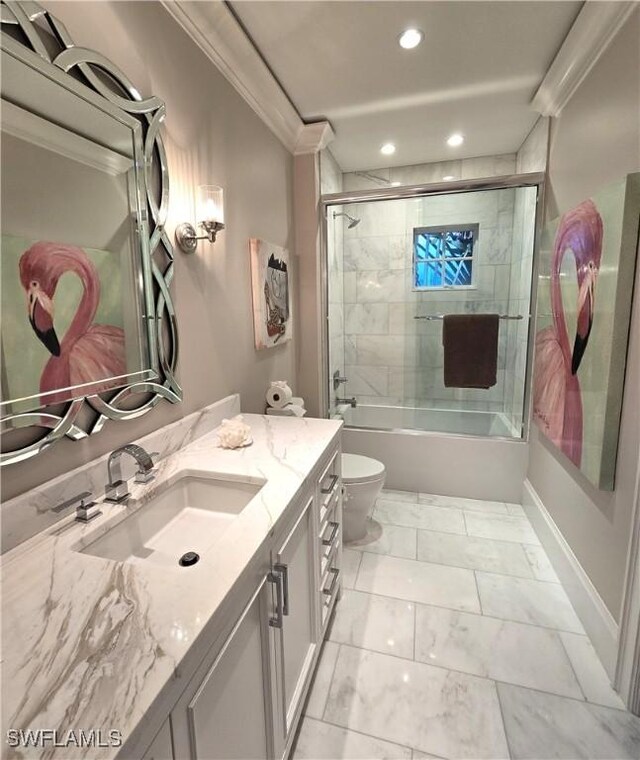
(595, 141)
(212, 137)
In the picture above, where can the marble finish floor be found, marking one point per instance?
(454, 639)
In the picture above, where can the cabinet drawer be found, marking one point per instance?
(329, 485)
(329, 559)
(329, 545)
(329, 592)
(328, 513)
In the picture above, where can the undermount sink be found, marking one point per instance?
(188, 513)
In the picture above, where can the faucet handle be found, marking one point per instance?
(86, 511)
(146, 475)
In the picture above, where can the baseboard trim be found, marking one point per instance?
(592, 611)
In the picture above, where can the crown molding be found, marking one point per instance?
(593, 30)
(314, 137)
(218, 34)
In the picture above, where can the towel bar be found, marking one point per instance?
(442, 316)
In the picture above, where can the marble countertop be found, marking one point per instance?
(90, 643)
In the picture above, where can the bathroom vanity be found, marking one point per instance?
(212, 660)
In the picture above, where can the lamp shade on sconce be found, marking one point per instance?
(210, 217)
(210, 204)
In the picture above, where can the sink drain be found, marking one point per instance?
(188, 559)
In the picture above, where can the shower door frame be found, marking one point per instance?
(530, 179)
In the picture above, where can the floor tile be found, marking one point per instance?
(544, 726)
(457, 502)
(350, 564)
(383, 538)
(541, 566)
(513, 652)
(516, 510)
(430, 709)
(527, 601)
(474, 553)
(500, 527)
(323, 741)
(590, 671)
(418, 582)
(374, 622)
(322, 680)
(391, 494)
(419, 516)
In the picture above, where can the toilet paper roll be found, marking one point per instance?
(279, 395)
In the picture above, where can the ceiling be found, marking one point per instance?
(475, 72)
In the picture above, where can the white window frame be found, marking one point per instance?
(442, 230)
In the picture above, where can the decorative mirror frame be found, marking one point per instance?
(86, 66)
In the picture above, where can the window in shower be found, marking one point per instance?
(443, 256)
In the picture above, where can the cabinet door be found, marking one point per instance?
(230, 714)
(296, 564)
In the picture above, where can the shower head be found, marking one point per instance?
(353, 222)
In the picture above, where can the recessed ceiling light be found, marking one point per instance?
(396, 184)
(448, 178)
(388, 149)
(410, 38)
(455, 139)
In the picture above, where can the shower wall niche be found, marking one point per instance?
(391, 359)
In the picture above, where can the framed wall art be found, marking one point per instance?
(270, 271)
(585, 290)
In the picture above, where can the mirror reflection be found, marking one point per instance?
(73, 277)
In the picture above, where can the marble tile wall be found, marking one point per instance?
(390, 358)
(468, 168)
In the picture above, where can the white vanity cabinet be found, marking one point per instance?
(226, 711)
(296, 563)
(247, 695)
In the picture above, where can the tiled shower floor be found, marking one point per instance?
(455, 639)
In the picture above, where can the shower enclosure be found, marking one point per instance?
(399, 259)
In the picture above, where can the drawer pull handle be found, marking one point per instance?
(284, 574)
(334, 529)
(328, 489)
(276, 578)
(336, 574)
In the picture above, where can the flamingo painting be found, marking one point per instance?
(557, 400)
(87, 352)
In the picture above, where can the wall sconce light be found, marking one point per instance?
(210, 214)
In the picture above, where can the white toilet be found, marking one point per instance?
(362, 480)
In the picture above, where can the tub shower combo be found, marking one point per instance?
(397, 260)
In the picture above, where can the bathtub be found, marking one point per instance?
(471, 454)
(454, 422)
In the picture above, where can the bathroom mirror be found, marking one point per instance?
(88, 330)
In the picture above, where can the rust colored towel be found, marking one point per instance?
(470, 350)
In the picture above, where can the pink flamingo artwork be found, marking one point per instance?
(87, 352)
(557, 400)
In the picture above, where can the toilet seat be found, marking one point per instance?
(359, 469)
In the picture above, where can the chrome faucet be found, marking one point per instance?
(350, 401)
(117, 489)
